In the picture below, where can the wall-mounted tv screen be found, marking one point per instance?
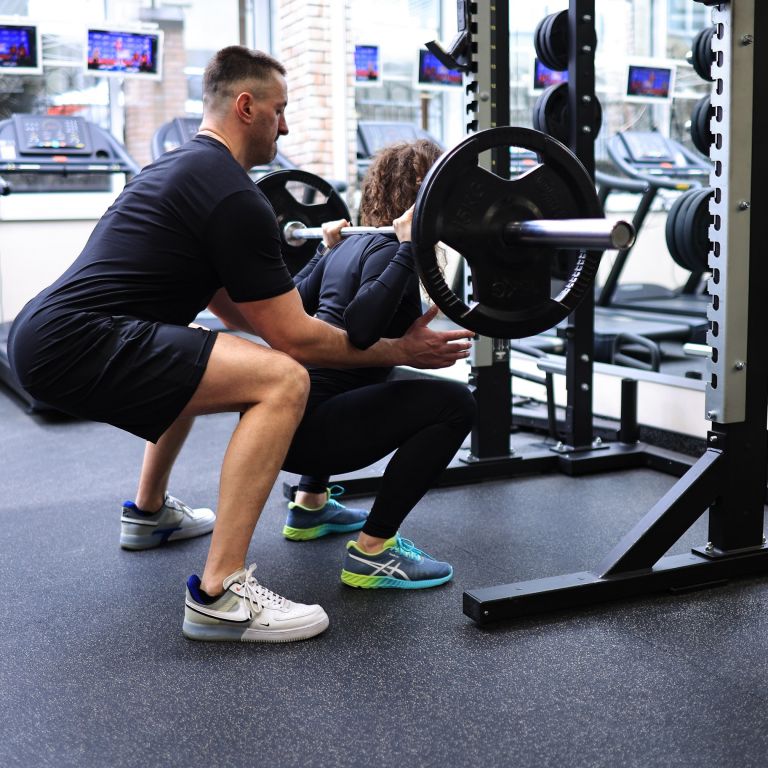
(434, 74)
(650, 82)
(20, 49)
(367, 64)
(543, 76)
(121, 52)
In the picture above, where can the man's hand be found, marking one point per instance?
(425, 348)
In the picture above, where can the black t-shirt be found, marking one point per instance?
(187, 225)
(368, 286)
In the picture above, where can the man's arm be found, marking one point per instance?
(282, 322)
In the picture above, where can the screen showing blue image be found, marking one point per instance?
(119, 52)
(367, 65)
(652, 83)
(543, 76)
(19, 49)
(433, 72)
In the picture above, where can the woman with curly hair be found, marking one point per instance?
(367, 285)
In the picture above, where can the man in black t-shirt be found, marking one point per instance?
(110, 341)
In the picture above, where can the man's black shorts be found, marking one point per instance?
(134, 374)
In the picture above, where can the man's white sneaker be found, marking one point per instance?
(248, 612)
(174, 520)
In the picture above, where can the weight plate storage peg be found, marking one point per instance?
(301, 197)
(475, 212)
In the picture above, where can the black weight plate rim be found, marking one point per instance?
(709, 54)
(692, 214)
(703, 129)
(680, 231)
(559, 21)
(550, 61)
(537, 39)
(695, 133)
(554, 94)
(490, 321)
(550, 96)
(670, 228)
(696, 61)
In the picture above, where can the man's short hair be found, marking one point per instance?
(234, 64)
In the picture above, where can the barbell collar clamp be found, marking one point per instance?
(582, 234)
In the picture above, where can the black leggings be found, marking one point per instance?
(424, 421)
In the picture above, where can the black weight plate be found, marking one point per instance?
(539, 119)
(696, 136)
(696, 54)
(696, 227)
(538, 40)
(467, 207)
(551, 113)
(558, 40)
(704, 126)
(281, 188)
(681, 234)
(703, 55)
(548, 58)
(669, 230)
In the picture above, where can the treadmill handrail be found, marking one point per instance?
(620, 183)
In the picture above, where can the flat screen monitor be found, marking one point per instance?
(650, 82)
(434, 74)
(20, 49)
(543, 76)
(124, 53)
(367, 65)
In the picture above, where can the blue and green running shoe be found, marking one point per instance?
(400, 565)
(304, 524)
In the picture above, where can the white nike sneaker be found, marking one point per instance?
(249, 612)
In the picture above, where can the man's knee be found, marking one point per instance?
(291, 383)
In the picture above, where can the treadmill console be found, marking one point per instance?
(52, 135)
(650, 154)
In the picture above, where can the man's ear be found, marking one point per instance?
(244, 105)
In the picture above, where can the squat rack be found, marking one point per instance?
(729, 480)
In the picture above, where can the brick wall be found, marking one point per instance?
(150, 103)
(303, 42)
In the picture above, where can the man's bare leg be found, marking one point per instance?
(158, 462)
(270, 389)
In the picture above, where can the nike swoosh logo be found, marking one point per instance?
(134, 521)
(242, 614)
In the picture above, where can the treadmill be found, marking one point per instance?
(176, 132)
(655, 162)
(64, 152)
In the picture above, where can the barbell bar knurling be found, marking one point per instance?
(582, 234)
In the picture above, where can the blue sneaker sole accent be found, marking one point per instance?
(307, 534)
(214, 633)
(158, 538)
(360, 581)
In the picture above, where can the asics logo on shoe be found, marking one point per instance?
(390, 568)
(239, 616)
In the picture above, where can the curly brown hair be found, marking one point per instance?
(393, 180)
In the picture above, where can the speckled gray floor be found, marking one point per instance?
(94, 670)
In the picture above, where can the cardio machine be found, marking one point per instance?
(657, 163)
(55, 153)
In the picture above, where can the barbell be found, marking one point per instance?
(511, 232)
(566, 233)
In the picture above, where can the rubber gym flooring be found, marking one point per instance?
(94, 670)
